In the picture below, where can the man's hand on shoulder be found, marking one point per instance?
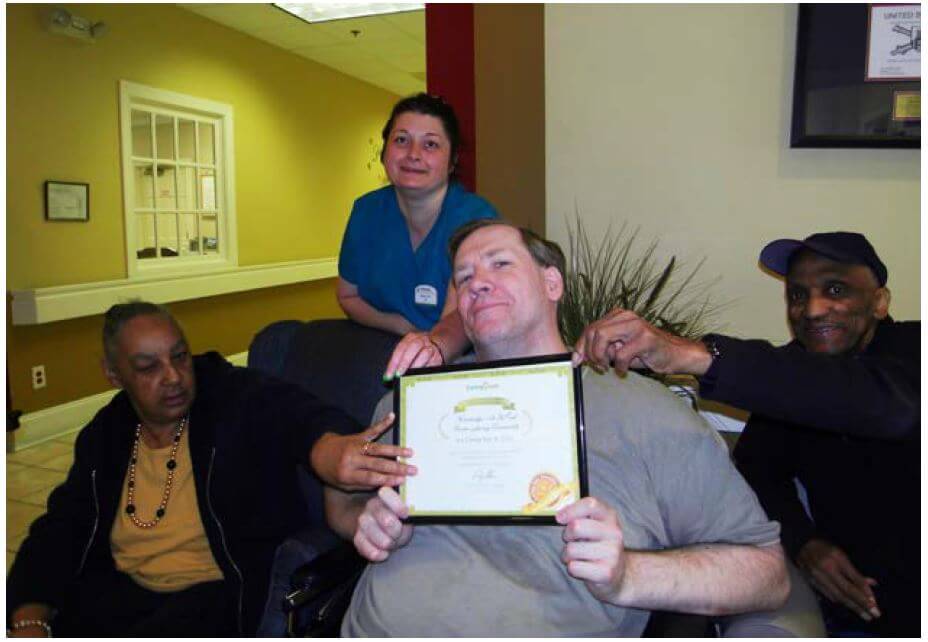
(356, 462)
(834, 576)
(380, 529)
(594, 549)
(624, 340)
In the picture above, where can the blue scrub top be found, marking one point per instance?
(377, 255)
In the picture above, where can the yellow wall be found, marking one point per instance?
(301, 149)
(71, 351)
(676, 118)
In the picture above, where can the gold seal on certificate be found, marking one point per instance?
(495, 442)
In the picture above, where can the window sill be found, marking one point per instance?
(181, 266)
(43, 305)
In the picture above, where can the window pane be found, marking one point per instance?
(207, 189)
(207, 150)
(165, 187)
(186, 134)
(145, 235)
(186, 188)
(141, 133)
(144, 186)
(210, 233)
(164, 131)
(167, 234)
(189, 238)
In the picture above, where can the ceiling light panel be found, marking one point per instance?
(327, 11)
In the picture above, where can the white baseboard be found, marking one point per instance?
(51, 423)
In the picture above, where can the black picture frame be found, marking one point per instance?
(54, 210)
(490, 365)
(833, 103)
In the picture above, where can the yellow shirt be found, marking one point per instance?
(174, 554)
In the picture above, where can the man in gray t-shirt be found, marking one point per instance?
(669, 523)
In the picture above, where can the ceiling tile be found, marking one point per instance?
(386, 51)
(407, 63)
(369, 28)
(401, 43)
(337, 54)
(412, 23)
(247, 18)
(296, 37)
(402, 84)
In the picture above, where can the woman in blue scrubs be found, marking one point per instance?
(394, 269)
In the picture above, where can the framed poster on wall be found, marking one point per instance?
(65, 201)
(855, 82)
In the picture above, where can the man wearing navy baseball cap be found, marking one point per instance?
(838, 408)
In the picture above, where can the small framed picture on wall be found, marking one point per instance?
(66, 201)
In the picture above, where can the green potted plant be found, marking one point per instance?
(614, 272)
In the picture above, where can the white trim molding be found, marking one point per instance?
(42, 305)
(50, 423)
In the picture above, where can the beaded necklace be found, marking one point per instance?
(166, 495)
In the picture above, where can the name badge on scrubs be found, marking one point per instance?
(426, 295)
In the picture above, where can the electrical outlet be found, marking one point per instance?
(38, 377)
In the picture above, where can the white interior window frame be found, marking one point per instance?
(134, 94)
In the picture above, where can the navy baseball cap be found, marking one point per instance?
(844, 247)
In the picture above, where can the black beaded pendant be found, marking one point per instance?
(172, 464)
(159, 513)
(130, 508)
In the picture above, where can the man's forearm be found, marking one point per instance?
(717, 579)
(869, 396)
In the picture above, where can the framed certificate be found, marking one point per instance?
(853, 62)
(500, 441)
(894, 42)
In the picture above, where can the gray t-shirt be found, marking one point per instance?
(652, 458)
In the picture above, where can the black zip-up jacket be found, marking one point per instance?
(849, 428)
(249, 434)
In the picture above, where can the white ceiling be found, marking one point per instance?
(388, 51)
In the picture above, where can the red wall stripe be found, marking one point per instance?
(449, 68)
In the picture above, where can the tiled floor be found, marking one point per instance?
(31, 474)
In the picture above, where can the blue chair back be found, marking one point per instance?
(337, 360)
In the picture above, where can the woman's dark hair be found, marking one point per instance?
(429, 106)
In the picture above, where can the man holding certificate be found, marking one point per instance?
(663, 520)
